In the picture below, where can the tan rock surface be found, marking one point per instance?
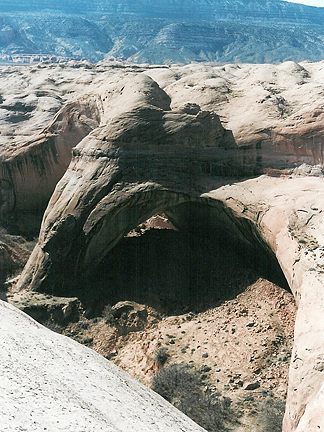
(292, 225)
(266, 106)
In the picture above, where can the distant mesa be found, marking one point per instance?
(159, 32)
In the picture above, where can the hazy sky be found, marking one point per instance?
(318, 3)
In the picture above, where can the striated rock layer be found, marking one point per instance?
(167, 150)
(167, 31)
(263, 106)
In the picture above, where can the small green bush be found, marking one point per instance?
(174, 381)
(161, 356)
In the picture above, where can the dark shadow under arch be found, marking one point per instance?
(210, 257)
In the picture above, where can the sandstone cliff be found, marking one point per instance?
(262, 105)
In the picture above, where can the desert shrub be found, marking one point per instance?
(108, 315)
(52, 325)
(184, 387)
(174, 381)
(3, 233)
(83, 325)
(161, 356)
(270, 415)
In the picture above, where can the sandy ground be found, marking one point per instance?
(244, 345)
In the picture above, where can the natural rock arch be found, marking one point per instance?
(208, 256)
(147, 159)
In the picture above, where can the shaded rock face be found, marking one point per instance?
(28, 176)
(178, 271)
(153, 152)
(31, 174)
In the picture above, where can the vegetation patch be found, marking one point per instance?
(189, 390)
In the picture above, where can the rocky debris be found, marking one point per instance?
(252, 386)
(122, 308)
(46, 308)
(158, 221)
(107, 334)
(66, 386)
(184, 339)
(128, 316)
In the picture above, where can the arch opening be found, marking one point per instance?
(200, 257)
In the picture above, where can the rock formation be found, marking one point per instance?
(45, 158)
(262, 105)
(49, 382)
(166, 150)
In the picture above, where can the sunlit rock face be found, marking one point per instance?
(47, 110)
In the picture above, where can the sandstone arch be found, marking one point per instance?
(148, 158)
(211, 256)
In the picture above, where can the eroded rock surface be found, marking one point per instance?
(291, 222)
(264, 107)
(185, 150)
